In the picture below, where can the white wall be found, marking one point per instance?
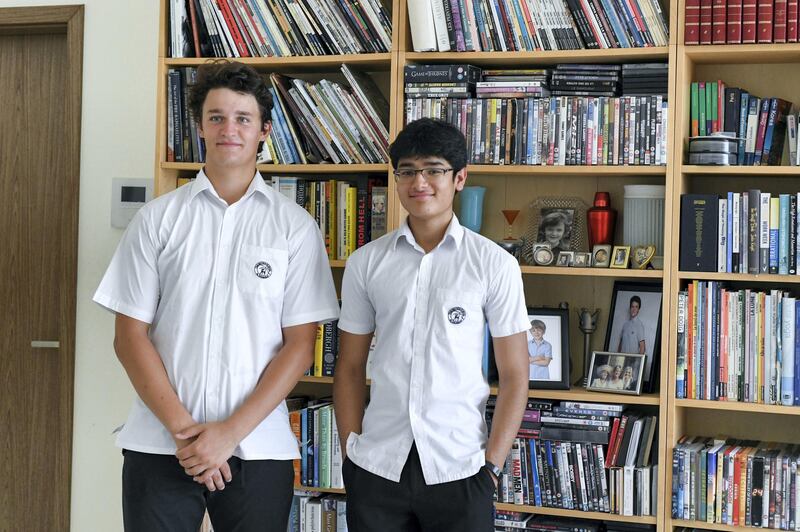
(117, 140)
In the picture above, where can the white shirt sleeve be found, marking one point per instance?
(130, 285)
(358, 314)
(309, 295)
(505, 305)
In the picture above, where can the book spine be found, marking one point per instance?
(718, 22)
(766, 9)
(734, 26)
(706, 21)
(749, 21)
(791, 20)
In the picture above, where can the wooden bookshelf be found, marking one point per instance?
(542, 510)
(565, 171)
(551, 57)
(765, 70)
(593, 272)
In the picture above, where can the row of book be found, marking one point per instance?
(267, 28)
(759, 124)
(738, 345)
(530, 25)
(314, 425)
(314, 513)
(749, 232)
(508, 520)
(350, 210)
(583, 456)
(311, 122)
(630, 130)
(465, 81)
(326, 350)
(740, 21)
(736, 482)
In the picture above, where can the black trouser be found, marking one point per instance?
(157, 495)
(377, 504)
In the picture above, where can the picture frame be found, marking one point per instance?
(616, 372)
(583, 259)
(549, 333)
(601, 255)
(636, 330)
(565, 258)
(558, 221)
(620, 256)
(542, 254)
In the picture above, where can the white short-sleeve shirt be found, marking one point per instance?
(429, 314)
(216, 283)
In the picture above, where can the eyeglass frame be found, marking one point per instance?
(422, 171)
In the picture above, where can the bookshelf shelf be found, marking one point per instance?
(316, 380)
(320, 63)
(743, 53)
(581, 395)
(744, 171)
(321, 490)
(712, 526)
(738, 406)
(543, 510)
(531, 170)
(613, 55)
(293, 168)
(592, 272)
(759, 278)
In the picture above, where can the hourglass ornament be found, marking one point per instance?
(509, 243)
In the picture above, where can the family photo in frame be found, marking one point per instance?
(616, 372)
(634, 325)
(548, 348)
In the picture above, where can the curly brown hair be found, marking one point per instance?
(238, 77)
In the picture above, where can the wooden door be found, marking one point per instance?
(38, 251)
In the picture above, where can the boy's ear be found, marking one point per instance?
(460, 179)
(267, 127)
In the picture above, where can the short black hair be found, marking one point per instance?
(238, 77)
(427, 137)
(635, 299)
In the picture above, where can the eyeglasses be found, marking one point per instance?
(406, 175)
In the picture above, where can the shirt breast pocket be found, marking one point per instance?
(262, 271)
(460, 317)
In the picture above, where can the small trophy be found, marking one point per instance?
(509, 243)
(587, 323)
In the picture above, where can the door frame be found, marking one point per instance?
(66, 19)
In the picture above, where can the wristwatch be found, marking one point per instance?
(496, 471)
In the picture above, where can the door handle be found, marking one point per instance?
(45, 344)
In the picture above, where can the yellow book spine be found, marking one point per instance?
(350, 217)
(318, 353)
(330, 194)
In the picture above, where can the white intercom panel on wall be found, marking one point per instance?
(128, 195)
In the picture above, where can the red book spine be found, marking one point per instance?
(233, 28)
(779, 30)
(691, 32)
(765, 11)
(749, 18)
(718, 20)
(720, 121)
(735, 21)
(761, 131)
(791, 21)
(705, 21)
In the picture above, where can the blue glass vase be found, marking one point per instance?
(471, 213)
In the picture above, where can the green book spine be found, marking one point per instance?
(709, 106)
(701, 113)
(714, 110)
(694, 109)
(325, 447)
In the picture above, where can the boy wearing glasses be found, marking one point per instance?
(419, 458)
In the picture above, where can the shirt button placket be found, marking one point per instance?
(421, 315)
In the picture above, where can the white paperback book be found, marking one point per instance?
(423, 32)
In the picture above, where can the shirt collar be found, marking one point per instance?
(202, 183)
(454, 233)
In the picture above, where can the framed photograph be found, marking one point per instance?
(601, 255)
(565, 258)
(620, 256)
(558, 221)
(616, 372)
(542, 254)
(634, 325)
(548, 348)
(582, 259)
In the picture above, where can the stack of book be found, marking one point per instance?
(514, 83)
(314, 425)
(582, 456)
(738, 345)
(643, 79)
(350, 210)
(314, 513)
(508, 521)
(758, 123)
(736, 482)
(585, 80)
(744, 232)
(440, 81)
(266, 28)
(740, 21)
(530, 25)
